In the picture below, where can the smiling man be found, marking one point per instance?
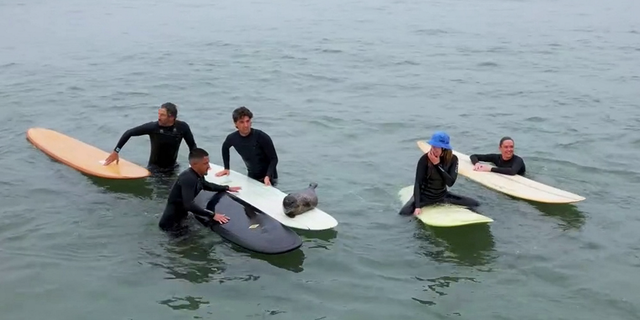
(254, 146)
(506, 161)
(165, 136)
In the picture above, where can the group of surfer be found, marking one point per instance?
(254, 146)
(436, 171)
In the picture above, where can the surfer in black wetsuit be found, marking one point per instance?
(254, 146)
(189, 183)
(165, 136)
(436, 170)
(506, 162)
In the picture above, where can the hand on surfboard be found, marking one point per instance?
(481, 167)
(222, 173)
(416, 211)
(113, 156)
(234, 189)
(267, 181)
(220, 218)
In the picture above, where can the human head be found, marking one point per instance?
(167, 114)
(439, 140)
(506, 147)
(242, 119)
(199, 161)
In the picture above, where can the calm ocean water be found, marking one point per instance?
(344, 89)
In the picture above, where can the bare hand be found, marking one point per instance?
(113, 156)
(220, 218)
(222, 173)
(416, 211)
(481, 167)
(435, 160)
(234, 189)
(267, 182)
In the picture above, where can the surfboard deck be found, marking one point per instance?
(248, 227)
(516, 186)
(82, 156)
(269, 200)
(444, 215)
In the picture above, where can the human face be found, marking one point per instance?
(201, 166)
(436, 151)
(163, 117)
(506, 149)
(244, 125)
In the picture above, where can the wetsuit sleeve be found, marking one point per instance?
(188, 186)
(143, 129)
(270, 150)
(451, 175)
(226, 145)
(491, 157)
(188, 137)
(209, 186)
(421, 170)
(513, 170)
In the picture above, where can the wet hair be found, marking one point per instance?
(172, 110)
(240, 113)
(197, 154)
(504, 139)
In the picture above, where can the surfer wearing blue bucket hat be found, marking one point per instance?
(437, 170)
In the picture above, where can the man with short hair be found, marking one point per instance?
(189, 183)
(506, 161)
(165, 136)
(254, 146)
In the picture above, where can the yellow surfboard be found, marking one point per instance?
(516, 186)
(81, 156)
(444, 215)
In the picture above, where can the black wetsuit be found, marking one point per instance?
(513, 166)
(257, 152)
(165, 143)
(430, 186)
(180, 201)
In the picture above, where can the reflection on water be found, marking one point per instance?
(290, 261)
(186, 303)
(470, 245)
(437, 284)
(569, 215)
(155, 186)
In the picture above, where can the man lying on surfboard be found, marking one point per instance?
(189, 183)
(506, 162)
(254, 146)
(436, 170)
(165, 136)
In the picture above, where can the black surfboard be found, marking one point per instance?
(248, 227)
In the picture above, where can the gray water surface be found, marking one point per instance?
(344, 88)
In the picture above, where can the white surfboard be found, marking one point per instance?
(269, 199)
(444, 215)
(516, 186)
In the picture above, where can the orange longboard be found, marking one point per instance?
(83, 157)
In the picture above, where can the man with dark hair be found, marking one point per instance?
(189, 183)
(165, 136)
(254, 146)
(506, 162)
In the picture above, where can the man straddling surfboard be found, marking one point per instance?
(254, 146)
(436, 171)
(506, 162)
(189, 183)
(165, 136)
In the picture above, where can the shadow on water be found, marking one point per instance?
(156, 185)
(470, 245)
(570, 216)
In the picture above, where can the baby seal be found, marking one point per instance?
(297, 203)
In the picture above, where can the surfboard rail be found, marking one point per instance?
(82, 156)
(269, 200)
(517, 186)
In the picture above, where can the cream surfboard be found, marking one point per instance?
(516, 186)
(81, 156)
(269, 199)
(444, 215)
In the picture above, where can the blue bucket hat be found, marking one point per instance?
(440, 139)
